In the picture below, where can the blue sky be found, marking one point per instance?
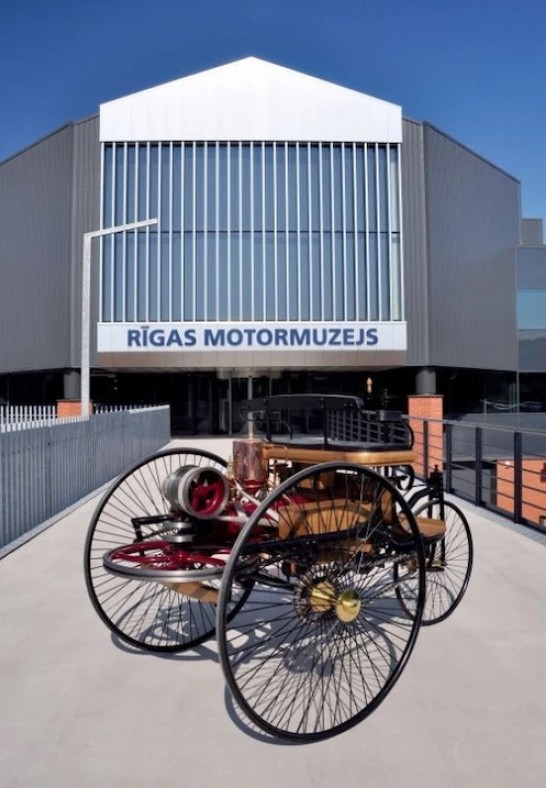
(476, 69)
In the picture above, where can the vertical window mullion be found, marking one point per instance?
(182, 238)
(378, 235)
(264, 306)
(194, 230)
(113, 181)
(321, 241)
(343, 230)
(401, 304)
(124, 272)
(101, 240)
(389, 233)
(158, 260)
(287, 232)
(367, 219)
(298, 248)
(135, 250)
(240, 317)
(355, 236)
(147, 266)
(252, 294)
(228, 214)
(171, 208)
(310, 228)
(275, 249)
(112, 238)
(333, 234)
(217, 204)
(205, 233)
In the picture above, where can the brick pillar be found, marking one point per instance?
(68, 408)
(427, 408)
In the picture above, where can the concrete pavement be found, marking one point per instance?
(77, 708)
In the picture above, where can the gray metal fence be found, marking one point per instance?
(45, 469)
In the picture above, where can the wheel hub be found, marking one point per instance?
(348, 606)
(436, 565)
(321, 596)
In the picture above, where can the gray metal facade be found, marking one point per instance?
(85, 217)
(35, 218)
(48, 197)
(531, 279)
(531, 232)
(415, 246)
(531, 267)
(461, 223)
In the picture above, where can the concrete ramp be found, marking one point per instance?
(79, 709)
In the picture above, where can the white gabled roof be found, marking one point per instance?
(250, 99)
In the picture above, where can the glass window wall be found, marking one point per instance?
(252, 231)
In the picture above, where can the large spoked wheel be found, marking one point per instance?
(321, 638)
(145, 588)
(448, 564)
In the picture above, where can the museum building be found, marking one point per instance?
(292, 235)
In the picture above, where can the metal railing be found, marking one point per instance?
(334, 418)
(501, 468)
(44, 469)
(369, 427)
(14, 418)
(21, 417)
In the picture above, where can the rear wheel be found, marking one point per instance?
(320, 640)
(145, 586)
(448, 564)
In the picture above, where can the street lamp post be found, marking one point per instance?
(86, 302)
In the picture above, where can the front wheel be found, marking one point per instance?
(320, 640)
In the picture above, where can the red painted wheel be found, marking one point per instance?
(207, 499)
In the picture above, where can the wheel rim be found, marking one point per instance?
(142, 610)
(321, 638)
(448, 564)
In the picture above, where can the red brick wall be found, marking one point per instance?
(427, 406)
(66, 408)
